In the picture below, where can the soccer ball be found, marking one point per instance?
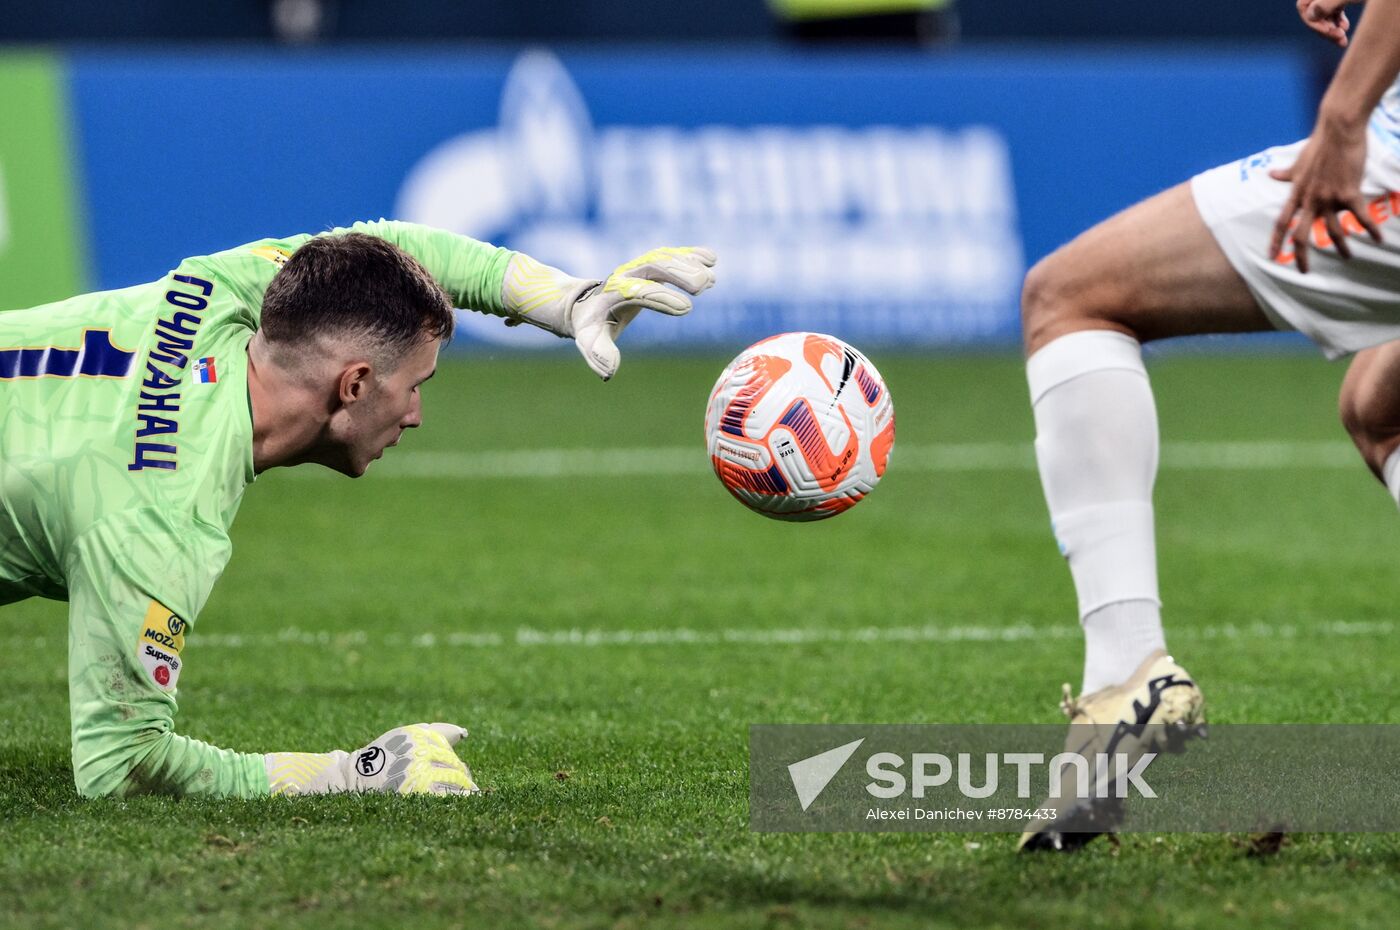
(800, 426)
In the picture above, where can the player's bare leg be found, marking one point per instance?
(1152, 272)
(1370, 409)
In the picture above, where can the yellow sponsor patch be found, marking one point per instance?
(159, 646)
(273, 254)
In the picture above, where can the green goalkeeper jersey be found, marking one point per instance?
(126, 442)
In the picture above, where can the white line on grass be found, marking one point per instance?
(949, 457)
(528, 637)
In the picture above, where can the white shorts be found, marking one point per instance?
(1343, 306)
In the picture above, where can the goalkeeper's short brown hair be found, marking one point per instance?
(359, 287)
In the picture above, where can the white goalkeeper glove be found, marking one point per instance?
(416, 759)
(594, 313)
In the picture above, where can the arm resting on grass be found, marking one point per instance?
(135, 580)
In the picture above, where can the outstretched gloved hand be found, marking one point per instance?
(416, 759)
(594, 313)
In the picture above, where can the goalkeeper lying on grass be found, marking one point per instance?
(131, 421)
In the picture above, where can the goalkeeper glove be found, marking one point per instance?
(594, 313)
(416, 759)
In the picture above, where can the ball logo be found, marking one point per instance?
(162, 675)
(370, 762)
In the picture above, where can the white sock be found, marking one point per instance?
(1096, 445)
(1391, 470)
(1117, 637)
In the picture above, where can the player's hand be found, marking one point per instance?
(416, 759)
(594, 313)
(601, 314)
(1326, 182)
(1327, 18)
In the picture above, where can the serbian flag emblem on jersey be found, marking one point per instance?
(204, 371)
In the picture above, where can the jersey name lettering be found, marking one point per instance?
(160, 401)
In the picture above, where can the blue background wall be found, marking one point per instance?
(187, 152)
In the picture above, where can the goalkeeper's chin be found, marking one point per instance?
(353, 467)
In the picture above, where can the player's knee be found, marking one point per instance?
(1370, 420)
(1037, 304)
(1054, 301)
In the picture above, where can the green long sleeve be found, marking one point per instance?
(471, 272)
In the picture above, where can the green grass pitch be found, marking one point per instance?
(436, 589)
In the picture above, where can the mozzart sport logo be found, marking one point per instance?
(892, 234)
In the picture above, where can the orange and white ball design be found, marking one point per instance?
(800, 426)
